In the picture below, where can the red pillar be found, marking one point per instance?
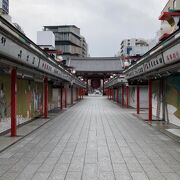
(82, 90)
(72, 98)
(103, 87)
(79, 91)
(87, 87)
(61, 98)
(122, 95)
(77, 94)
(13, 101)
(117, 95)
(65, 96)
(138, 99)
(114, 94)
(110, 91)
(111, 94)
(150, 99)
(127, 96)
(82, 93)
(45, 97)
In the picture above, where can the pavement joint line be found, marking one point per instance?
(56, 144)
(74, 149)
(46, 142)
(93, 140)
(121, 151)
(37, 143)
(31, 132)
(65, 146)
(107, 144)
(168, 134)
(142, 150)
(86, 146)
(75, 125)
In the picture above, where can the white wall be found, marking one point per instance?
(143, 96)
(68, 95)
(46, 38)
(74, 94)
(56, 97)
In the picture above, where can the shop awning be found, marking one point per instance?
(168, 15)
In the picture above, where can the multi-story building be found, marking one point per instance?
(170, 19)
(4, 6)
(4, 10)
(84, 47)
(67, 39)
(133, 47)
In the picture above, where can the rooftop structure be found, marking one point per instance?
(69, 40)
(46, 39)
(98, 66)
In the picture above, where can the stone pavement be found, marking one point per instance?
(93, 140)
(6, 140)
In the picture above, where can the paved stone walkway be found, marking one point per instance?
(93, 140)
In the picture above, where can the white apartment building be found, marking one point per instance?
(134, 47)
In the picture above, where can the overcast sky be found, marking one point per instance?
(104, 23)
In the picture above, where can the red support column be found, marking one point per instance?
(72, 98)
(150, 100)
(45, 97)
(111, 94)
(77, 94)
(103, 87)
(114, 94)
(13, 101)
(127, 96)
(65, 96)
(122, 95)
(79, 91)
(117, 96)
(138, 99)
(87, 86)
(108, 93)
(82, 91)
(61, 98)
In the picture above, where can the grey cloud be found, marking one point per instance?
(104, 23)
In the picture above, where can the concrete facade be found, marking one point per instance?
(69, 40)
